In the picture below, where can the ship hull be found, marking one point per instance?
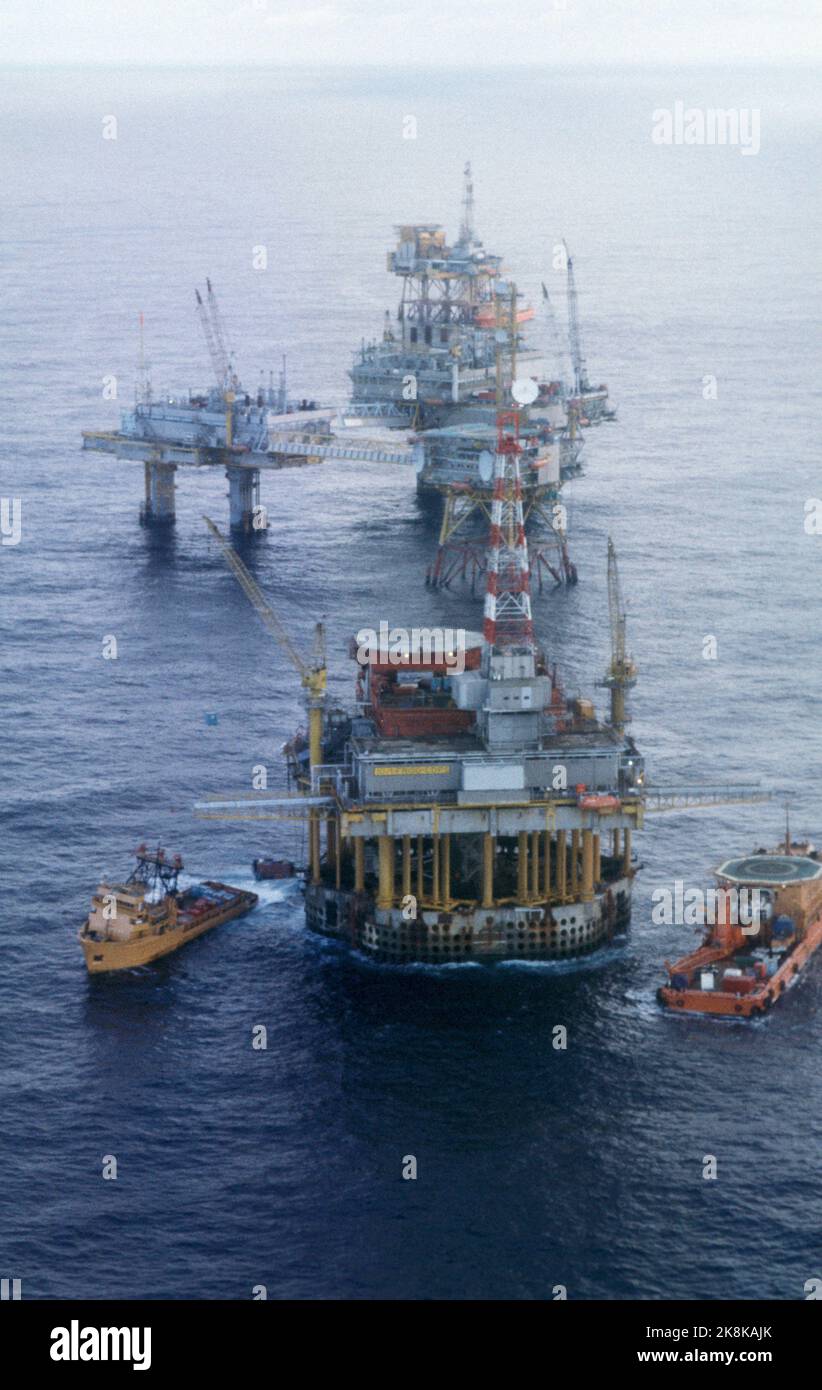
(595, 408)
(720, 1004)
(106, 956)
(534, 932)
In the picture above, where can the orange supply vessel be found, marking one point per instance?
(767, 926)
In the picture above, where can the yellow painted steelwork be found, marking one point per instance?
(359, 865)
(385, 892)
(546, 850)
(446, 870)
(489, 849)
(405, 770)
(314, 848)
(587, 866)
(626, 853)
(522, 866)
(562, 865)
(534, 865)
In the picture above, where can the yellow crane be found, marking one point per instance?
(312, 672)
(622, 671)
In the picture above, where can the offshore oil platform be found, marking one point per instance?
(462, 338)
(224, 426)
(460, 343)
(465, 807)
(471, 810)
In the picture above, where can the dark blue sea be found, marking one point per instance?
(536, 1167)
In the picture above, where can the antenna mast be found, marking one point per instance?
(574, 335)
(467, 225)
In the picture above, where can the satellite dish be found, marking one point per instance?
(524, 390)
(485, 463)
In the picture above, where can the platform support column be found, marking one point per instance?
(435, 868)
(574, 863)
(626, 852)
(587, 866)
(562, 865)
(359, 865)
(385, 894)
(522, 865)
(158, 508)
(615, 849)
(597, 859)
(446, 870)
(243, 497)
(534, 864)
(489, 846)
(420, 868)
(546, 852)
(406, 866)
(314, 846)
(333, 849)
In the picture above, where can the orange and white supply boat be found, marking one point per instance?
(751, 955)
(146, 917)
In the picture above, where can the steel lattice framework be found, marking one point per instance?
(507, 620)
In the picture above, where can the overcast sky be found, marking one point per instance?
(459, 33)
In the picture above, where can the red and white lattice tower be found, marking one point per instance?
(507, 621)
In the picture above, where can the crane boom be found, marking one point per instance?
(264, 609)
(622, 672)
(615, 608)
(216, 352)
(220, 335)
(313, 678)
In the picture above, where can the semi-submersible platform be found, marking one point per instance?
(470, 810)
